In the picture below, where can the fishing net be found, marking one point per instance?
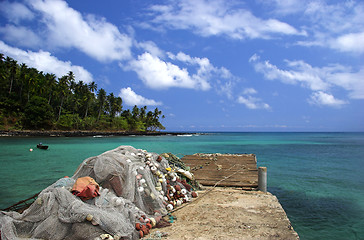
(130, 190)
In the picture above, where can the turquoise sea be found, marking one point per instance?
(317, 177)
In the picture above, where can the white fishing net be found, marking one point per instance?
(137, 188)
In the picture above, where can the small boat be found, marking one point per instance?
(41, 146)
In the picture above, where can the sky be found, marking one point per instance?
(208, 65)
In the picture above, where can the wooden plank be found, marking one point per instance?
(229, 184)
(238, 170)
(194, 167)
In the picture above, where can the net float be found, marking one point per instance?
(89, 217)
(194, 194)
(153, 222)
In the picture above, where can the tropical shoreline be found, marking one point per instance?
(59, 133)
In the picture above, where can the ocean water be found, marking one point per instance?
(317, 177)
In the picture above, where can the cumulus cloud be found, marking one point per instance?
(322, 98)
(250, 101)
(315, 78)
(44, 61)
(130, 98)
(151, 47)
(58, 25)
(94, 36)
(217, 17)
(157, 73)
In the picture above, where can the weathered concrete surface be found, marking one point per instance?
(227, 213)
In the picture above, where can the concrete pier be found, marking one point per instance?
(224, 210)
(230, 213)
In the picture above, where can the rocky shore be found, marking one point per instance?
(57, 133)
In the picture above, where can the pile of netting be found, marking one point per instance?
(120, 194)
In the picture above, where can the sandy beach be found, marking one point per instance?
(230, 213)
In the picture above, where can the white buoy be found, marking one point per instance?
(118, 202)
(169, 207)
(31, 150)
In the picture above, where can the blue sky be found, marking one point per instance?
(264, 65)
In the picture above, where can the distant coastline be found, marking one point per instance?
(58, 133)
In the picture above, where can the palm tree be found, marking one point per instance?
(136, 113)
(12, 65)
(92, 86)
(89, 95)
(63, 88)
(101, 97)
(51, 83)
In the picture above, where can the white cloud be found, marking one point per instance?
(182, 71)
(330, 24)
(337, 26)
(303, 73)
(349, 80)
(217, 17)
(352, 42)
(322, 98)
(252, 102)
(284, 7)
(150, 47)
(16, 12)
(43, 61)
(158, 74)
(205, 70)
(17, 35)
(130, 98)
(58, 25)
(225, 88)
(249, 91)
(314, 78)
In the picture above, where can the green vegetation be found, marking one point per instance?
(32, 100)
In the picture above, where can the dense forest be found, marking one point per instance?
(33, 100)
